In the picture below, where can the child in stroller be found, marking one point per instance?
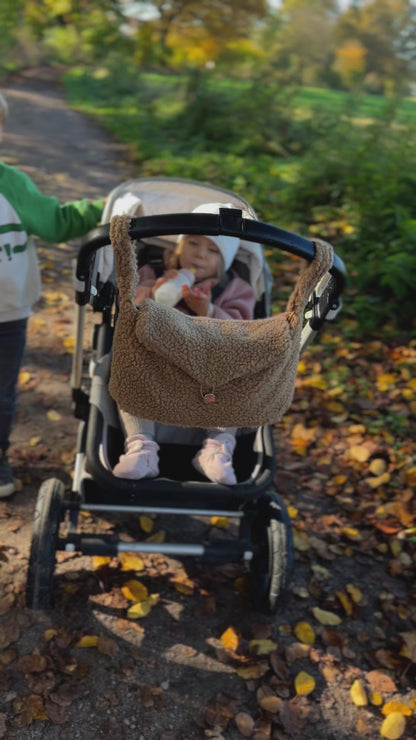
(264, 541)
(218, 292)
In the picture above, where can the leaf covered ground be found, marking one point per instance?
(154, 648)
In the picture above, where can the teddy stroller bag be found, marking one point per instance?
(209, 372)
(189, 374)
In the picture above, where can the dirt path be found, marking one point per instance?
(168, 677)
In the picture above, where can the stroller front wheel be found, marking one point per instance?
(272, 544)
(47, 518)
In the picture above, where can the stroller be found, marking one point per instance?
(161, 208)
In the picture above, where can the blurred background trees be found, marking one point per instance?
(304, 107)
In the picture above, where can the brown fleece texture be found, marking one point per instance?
(164, 361)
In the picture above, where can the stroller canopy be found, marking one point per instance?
(158, 195)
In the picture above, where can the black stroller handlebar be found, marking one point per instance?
(229, 222)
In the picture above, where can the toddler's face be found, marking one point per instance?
(200, 254)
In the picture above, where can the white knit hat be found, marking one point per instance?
(228, 245)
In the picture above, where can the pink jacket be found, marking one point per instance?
(236, 301)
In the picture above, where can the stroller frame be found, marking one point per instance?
(264, 543)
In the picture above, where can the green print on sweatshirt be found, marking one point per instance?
(9, 249)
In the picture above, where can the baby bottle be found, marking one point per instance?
(170, 293)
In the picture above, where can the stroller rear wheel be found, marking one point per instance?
(47, 517)
(272, 543)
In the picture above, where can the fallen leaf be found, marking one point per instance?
(157, 537)
(396, 706)
(252, 671)
(304, 632)
(304, 684)
(377, 466)
(245, 724)
(130, 561)
(135, 591)
(220, 522)
(359, 453)
(262, 647)
(87, 641)
(230, 639)
(393, 726)
(99, 561)
(358, 694)
(325, 617)
(380, 681)
(355, 593)
(146, 524)
(143, 608)
(53, 415)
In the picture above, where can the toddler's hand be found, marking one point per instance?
(198, 298)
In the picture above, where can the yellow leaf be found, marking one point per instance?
(304, 632)
(98, 561)
(352, 534)
(377, 466)
(359, 453)
(379, 481)
(358, 695)
(34, 441)
(142, 608)
(24, 378)
(53, 415)
(230, 639)
(130, 561)
(355, 593)
(157, 537)
(184, 585)
(304, 684)
(55, 297)
(87, 641)
(135, 591)
(263, 647)
(139, 610)
(221, 522)
(324, 617)
(146, 524)
(69, 343)
(292, 511)
(396, 706)
(386, 381)
(315, 381)
(50, 634)
(393, 726)
(375, 698)
(252, 671)
(346, 603)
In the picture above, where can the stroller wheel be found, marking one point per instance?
(47, 518)
(272, 543)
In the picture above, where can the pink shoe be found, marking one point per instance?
(141, 459)
(215, 459)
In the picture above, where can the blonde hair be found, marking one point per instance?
(4, 109)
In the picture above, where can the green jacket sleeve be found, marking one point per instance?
(43, 215)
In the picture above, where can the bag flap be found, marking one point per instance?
(216, 351)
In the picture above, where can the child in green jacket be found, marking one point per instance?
(25, 211)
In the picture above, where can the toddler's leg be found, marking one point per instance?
(215, 458)
(140, 459)
(12, 344)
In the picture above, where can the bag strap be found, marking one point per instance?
(309, 278)
(126, 265)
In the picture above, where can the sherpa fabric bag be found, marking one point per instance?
(188, 371)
